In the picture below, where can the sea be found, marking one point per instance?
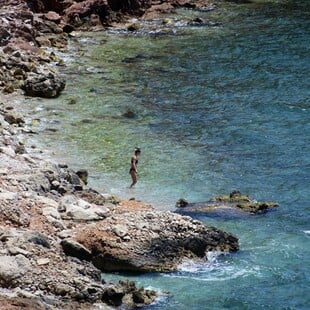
(214, 107)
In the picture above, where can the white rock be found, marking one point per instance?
(78, 213)
(13, 267)
(7, 195)
(52, 212)
(43, 261)
(7, 151)
(48, 202)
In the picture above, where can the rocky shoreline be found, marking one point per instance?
(56, 233)
(27, 28)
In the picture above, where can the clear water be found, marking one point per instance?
(217, 109)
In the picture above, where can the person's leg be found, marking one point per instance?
(134, 178)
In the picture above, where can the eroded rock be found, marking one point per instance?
(151, 241)
(225, 204)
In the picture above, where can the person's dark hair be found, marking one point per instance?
(137, 150)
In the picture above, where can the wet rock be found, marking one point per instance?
(113, 296)
(13, 119)
(126, 293)
(46, 86)
(83, 175)
(129, 114)
(181, 203)
(226, 204)
(133, 27)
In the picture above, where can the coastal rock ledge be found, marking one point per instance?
(151, 241)
(225, 204)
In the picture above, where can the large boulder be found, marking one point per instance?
(151, 241)
(43, 85)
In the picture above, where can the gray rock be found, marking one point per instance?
(80, 210)
(79, 214)
(43, 85)
(37, 238)
(164, 242)
(75, 249)
(8, 150)
(11, 268)
(120, 230)
(51, 212)
(5, 195)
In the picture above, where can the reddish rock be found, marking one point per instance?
(52, 16)
(151, 241)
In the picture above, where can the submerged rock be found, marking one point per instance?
(235, 201)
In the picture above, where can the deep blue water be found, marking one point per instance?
(217, 109)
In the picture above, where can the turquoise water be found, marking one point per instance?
(216, 109)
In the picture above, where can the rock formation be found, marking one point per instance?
(234, 202)
(150, 241)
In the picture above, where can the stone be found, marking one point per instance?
(73, 248)
(133, 27)
(52, 212)
(13, 119)
(38, 238)
(113, 296)
(52, 16)
(120, 230)
(83, 175)
(43, 85)
(8, 150)
(11, 268)
(159, 247)
(47, 202)
(233, 204)
(80, 210)
(77, 213)
(43, 261)
(8, 195)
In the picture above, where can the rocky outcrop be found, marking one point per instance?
(226, 204)
(151, 241)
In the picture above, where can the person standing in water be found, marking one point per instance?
(133, 168)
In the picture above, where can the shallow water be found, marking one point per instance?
(216, 109)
